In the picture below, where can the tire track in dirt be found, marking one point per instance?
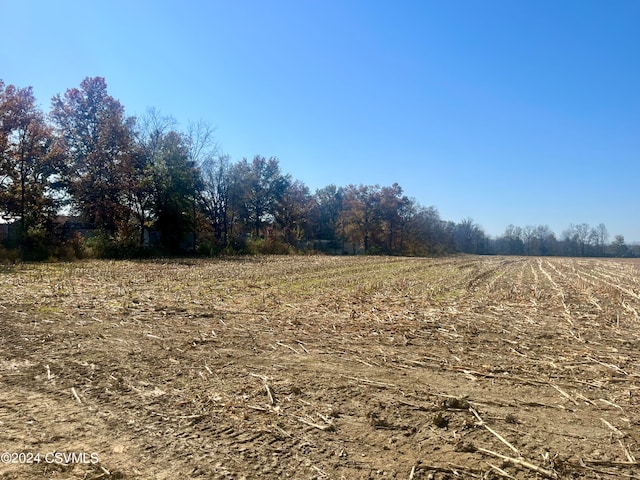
(197, 374)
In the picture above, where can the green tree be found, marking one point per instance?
(393, 209)
(327, 213)
(176, 182)
(260, 186)
(619, 246)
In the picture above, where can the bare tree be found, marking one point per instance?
(601, 235)
(216, 196)
(582, 232)
(202, 142)
(528, 234)
(469, 237)
(512, 238)
(545, 240)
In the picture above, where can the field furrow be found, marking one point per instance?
(323, 367)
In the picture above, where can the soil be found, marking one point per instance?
(321, 368)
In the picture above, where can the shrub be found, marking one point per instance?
(38, 244)
(209, 248)
(260, 246)
(9, 255)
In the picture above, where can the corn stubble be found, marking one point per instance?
(323, 367)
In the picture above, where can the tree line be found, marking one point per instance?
(85, 179)
(579, 240)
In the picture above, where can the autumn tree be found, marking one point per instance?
(97, 140)
(407, 210)
(293, 212)
(392, 207)
(427, 233)
(361, 214)
(29, 161)
(3, 130)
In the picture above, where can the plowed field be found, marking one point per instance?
(321, 367)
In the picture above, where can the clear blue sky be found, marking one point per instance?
(510, 111)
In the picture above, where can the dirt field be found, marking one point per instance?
(321, 367)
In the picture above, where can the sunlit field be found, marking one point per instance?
(321, 367)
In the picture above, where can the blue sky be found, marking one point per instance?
(506, 111)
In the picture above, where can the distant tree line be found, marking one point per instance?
(576, 241)
(85, 179)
